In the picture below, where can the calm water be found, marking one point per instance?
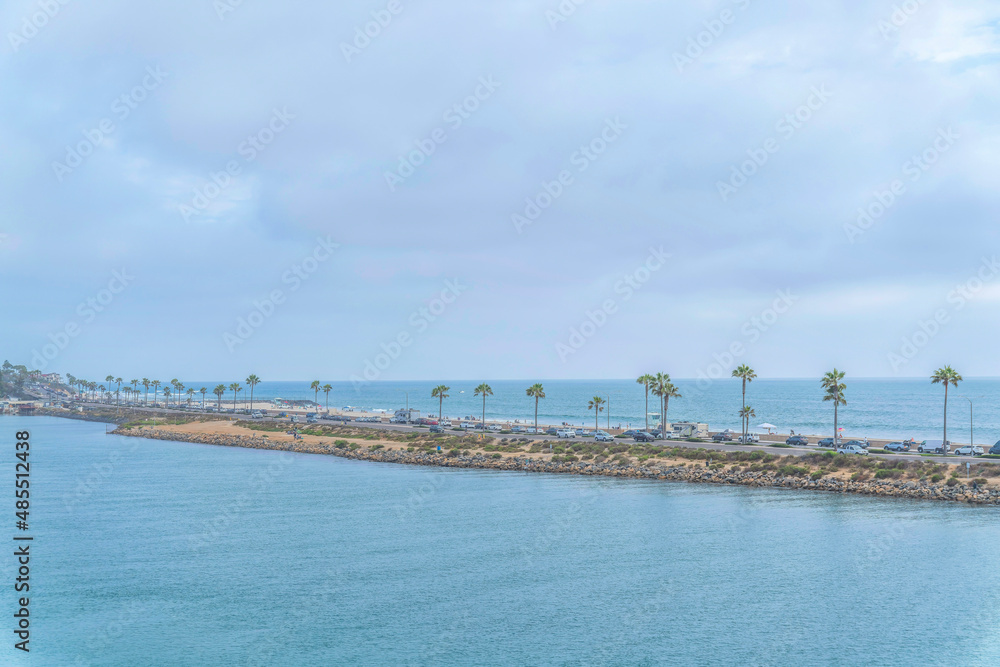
(159, 553)
(894, 408)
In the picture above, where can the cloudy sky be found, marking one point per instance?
(516, 189)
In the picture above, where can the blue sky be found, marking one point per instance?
(499, 189)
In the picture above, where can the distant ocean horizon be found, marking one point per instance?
(876, 407)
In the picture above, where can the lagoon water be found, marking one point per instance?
(891, 408)
(160, 553)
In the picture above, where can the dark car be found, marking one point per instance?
(825, 442)
(995, 449)
(860, 443)
(797, 440)
(642, 436)
(722, 437)
(630, 433)
(551, 431)
(436, 429)
(897, 447)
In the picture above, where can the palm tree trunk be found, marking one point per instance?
(945, 414)
(745, 417)
(647, 407)
(484, 411)
(440, 406)
(536, 414)
(251, 398)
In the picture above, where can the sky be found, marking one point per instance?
(397, 190)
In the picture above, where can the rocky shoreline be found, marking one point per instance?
(687, 473)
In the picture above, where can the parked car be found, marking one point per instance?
(995, 449)
(969, 450)
(933, 447)
(256, 415)
(852, 449)
(437, 429)
(642, 436)
(825, 442)
(582, 432)
(799, 440)
(445, 423)
(722, 437)
(516, 429)
(860, 443)
(670, 435)
(551, 431)
(749, 439)
(630, 433)
(566, 433)
(897, 447)
(493, 427)
(603, 436)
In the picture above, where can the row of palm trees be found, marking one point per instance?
(834, 388)
(175, 387)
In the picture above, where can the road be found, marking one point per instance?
(718, 446)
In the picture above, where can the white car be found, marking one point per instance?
(566, 433)
(446, 424)
(748, 438)
(467, 425)
(852, 449)
(603, 436)
(493, 427)
(969, 450)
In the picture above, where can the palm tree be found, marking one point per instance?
(166, 395)
(326, 390)
(485, 390)
(118, 391)
(746, 374)
(646, 381)
(145, 385)
(235, 387)
(156, 384)
(178, 389)
(252, 382)
(670, 391)
(536, 391)
(946, 376)
(135, 386)
(315, 387)
(658, 388)
(203, 390)
(219, 391)
(190, 393)
(834, 392)
(440, 392)
(596, 404)
(745, 414)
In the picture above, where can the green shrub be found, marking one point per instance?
(981, 481)
(952, 481)
(816, 475)
(497, 456)
(936, 477)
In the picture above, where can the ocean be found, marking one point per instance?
(877, 408)
(162, 553)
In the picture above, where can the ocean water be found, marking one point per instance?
(160, 553)
(890, 408)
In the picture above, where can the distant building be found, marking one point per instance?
(53, 378)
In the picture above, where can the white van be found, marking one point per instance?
(933, 447)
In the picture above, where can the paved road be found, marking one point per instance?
(718, 446)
